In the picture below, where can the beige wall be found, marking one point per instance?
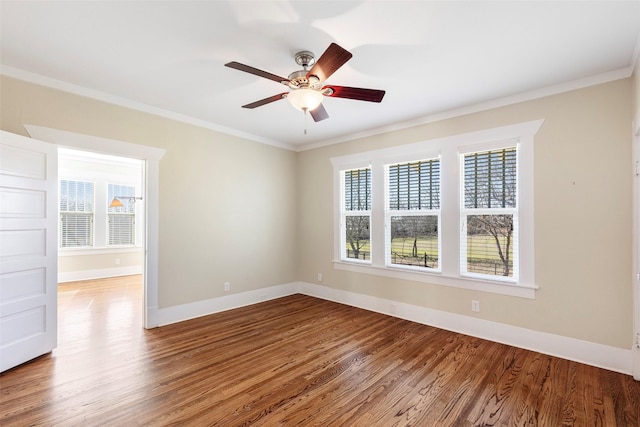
(72, 263)
(582, 218)
(226, 211)
(217, 225)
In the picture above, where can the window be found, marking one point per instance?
(489, 213)
(453, 211)
(356, 214)
(413, 214)
(76, 213)
(89, 179)
(122, 219)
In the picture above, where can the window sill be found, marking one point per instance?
(98, 251)
(495, 287)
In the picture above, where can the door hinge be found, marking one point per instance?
(637, 343)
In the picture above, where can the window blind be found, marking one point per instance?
(357, 189)
(76, 213)
(121, 219)
(490, 179)
(413, 196)
(414, 185)
(121, 229)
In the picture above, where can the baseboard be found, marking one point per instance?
(599, 355)
(74, 276)
(151, 319)
(178, 313)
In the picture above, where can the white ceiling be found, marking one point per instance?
(431, 57)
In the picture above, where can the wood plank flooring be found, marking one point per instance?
(294, 361)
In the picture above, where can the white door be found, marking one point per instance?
(28, 248)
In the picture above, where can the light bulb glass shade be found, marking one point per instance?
(305, 99)
(116, 203)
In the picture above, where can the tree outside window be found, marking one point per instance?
(356, 214)
(490, 212)
(413, 214)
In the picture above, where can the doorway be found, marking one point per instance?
(100, 229)
(150, 156)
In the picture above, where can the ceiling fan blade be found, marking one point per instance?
(358, 93)
(319, 113)
(332, 59)
(257, 72)
(266, 100)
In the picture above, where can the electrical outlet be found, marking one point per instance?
(117, 261)
(227, 286)
(319, 277)
(475, 306)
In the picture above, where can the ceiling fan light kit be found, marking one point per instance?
(306, 92)
(305, 99)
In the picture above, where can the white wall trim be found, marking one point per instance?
(635, 279)
(594, 354)
(113, 250)
(588, 81)
(49, 82)
(606, 77)
(94, 144)
(195, 309)
(74, 276)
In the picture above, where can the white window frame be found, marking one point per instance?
(90, 214)
(448, 149)
(464, 212)
(406, 213)
(128, 210)
(343, 219)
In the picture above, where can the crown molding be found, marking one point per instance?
(594, 80)
(134, 105)
(431, 118)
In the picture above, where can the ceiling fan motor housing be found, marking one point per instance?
(299, 80)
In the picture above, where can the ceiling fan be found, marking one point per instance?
(306, 90)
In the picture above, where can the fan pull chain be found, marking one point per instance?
(305, 121)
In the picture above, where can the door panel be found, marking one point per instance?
(28, 249)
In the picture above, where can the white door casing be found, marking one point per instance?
(636, 251)
(28, 249)
(151, 157)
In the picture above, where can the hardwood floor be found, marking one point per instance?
(294, 361)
